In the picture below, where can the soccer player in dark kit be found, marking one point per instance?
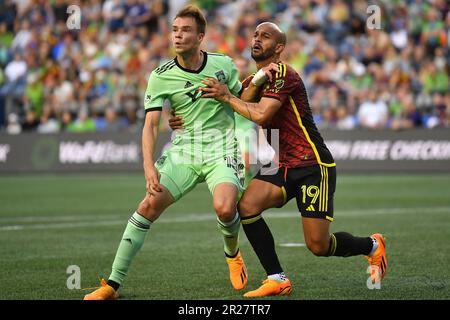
(307, 171)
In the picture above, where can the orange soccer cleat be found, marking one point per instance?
(378, 260)
(271, 288)
(105, 292)
(238, 271)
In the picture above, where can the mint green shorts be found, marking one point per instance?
(180, 177)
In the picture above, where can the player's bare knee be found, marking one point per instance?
(148, 208)
(317, 247)
(247, 209)
(226, 211)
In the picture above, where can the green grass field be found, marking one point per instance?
(50, 222)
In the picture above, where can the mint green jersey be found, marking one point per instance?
(181, 87)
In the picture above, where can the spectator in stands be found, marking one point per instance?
(31, 122)
(345, 121)
(373, 112)
(82, 124)
(48, 122)
(106, 64)
(34, 94)
(13, 126)
(434, 79)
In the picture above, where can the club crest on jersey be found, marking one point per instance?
(276, 87)
(161, 160)
(279, 84)
(221, 77)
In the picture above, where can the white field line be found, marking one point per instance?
(292, 244)
(66, 222)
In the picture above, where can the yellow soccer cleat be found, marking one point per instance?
(238, 271)
(378, 260)
(271, 288)
(105, 292)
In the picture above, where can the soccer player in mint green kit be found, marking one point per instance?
(206, 150)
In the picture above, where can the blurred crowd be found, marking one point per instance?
(93, 79)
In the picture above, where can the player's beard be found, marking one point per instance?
(264, 55)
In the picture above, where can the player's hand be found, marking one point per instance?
(175, 122)
(152, 177)
(264, 74)
(270, 70)
(214, 89)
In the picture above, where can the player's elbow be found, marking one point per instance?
(150, 127)
(262, 119)
(248, 98)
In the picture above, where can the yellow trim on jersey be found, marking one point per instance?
(325, 171)
(305, 132)
(251, 220)
(282, 70)
(329, 218)
(323, 189)
(284, 195)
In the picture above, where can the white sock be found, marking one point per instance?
(280, 277)
(375, 246)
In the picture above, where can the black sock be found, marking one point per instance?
(343, 244)
(261, 239)
(113, 284)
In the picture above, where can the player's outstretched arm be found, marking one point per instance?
(149, 137)
(260, 112)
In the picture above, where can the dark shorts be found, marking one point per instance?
(313, 187)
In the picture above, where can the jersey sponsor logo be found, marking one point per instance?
(310, 208)
(220, 75)
(195, 94)
(148, 98)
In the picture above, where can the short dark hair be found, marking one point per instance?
(196, 13)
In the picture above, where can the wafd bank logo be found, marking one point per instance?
(4, 150)
(102, 152)
(47, 152)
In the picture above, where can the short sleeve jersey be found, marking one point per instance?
(300, 143)
(181, 87)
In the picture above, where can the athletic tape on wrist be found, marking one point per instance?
(259, 78)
